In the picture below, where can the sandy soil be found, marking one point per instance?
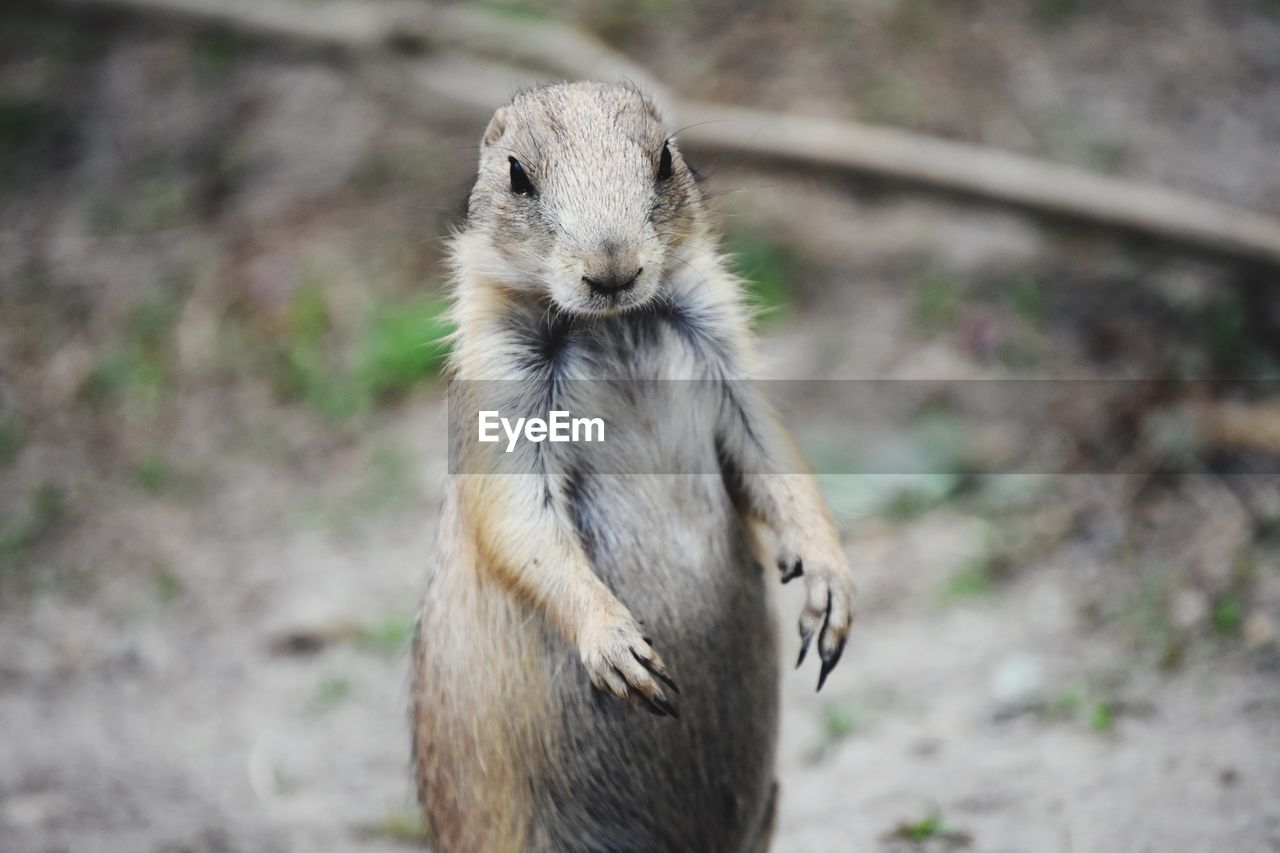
(208, 655)
(139, 721)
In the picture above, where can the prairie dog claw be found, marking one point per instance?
(621, 662)
(829, 604)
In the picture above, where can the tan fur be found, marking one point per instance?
(524, 616)
(493, 717)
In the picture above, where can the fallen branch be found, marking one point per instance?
(1240, 426)
(1023, 182)
(997, 175)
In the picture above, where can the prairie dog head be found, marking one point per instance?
(582, 197)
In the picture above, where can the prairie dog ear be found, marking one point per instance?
(497, 126)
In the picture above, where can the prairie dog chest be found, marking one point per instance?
(650, 497)
(650, 380)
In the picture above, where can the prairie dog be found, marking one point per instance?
(562, 603)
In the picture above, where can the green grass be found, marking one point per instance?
(768, 267)
(1080, 705)
(1026, 300)
(929, 828)
(976, 580)
(401, 344)
(47, 508)
(306, 370)
(926, 492)
(1231, 343)
(11, 441)
(401, 826)
(892, 99)
(138, 370)
(938, 301)
(841, 719)
(49, 505)
(128, 373)
(1066, 705)
(1228, 615)
(908, 504)
(1225, 334)
(157, 476)
(28, 128)
(163, 202)
(167, 585)
(944, 439)
(390, 637)
(921, 830)
(151, 321)
(912, 24)
(1102, 718)
(1147, 610)
(329, 693)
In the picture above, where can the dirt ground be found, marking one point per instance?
(216, 514)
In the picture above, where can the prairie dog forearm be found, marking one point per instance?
(789, 501)
(776, 489)
(532, 547)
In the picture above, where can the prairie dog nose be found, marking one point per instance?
(612, 280)
(615, 271)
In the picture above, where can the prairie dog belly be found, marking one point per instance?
(573, 770)
(673, 549)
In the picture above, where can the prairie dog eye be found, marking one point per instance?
(664, 164)
(520, 183)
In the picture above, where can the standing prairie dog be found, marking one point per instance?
(561, 586)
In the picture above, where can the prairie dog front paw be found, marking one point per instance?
(829, 599)
(621, 661)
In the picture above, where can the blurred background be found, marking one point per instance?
(221, 419)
